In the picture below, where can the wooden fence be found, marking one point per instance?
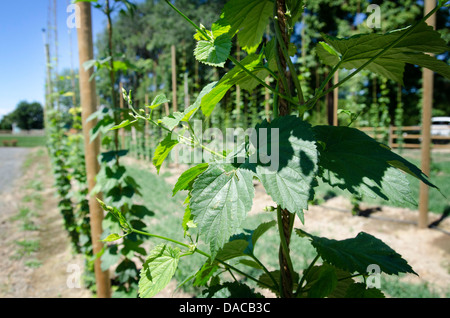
(408, 136)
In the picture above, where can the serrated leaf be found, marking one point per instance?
(250, 18)
(351, 160)
(251, 62)
(215, 52)
(163, 150)
(356, 254)
(358, 49)
(285, 161)
(158, 270)
(220, 199)
(187, 178)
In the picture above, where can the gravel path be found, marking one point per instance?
(11, 160)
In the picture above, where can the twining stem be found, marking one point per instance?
(289, 62)
(228, 266)
(285, 217)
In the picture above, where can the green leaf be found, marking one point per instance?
(352, 160)
(358, 49)
(158, 270)
(243, 244)
(220, 199)
(235, 76)
(250, 18)
(285, 161)
(112, 237)
(187, 178)
(356, 254)
(215, 52)
(174, 119)
(117, 215)
(321, 281)
(205, 273)
(124, 123)
(158, 100)
(163, 150)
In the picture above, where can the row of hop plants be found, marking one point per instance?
(66, 151)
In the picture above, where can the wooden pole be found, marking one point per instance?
(238, 88)
(267, 100)
(88, 100)
(174, 79)
(427, 85)
(335, 99)
(122, 131)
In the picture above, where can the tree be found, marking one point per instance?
(6, 122)
(29, 115)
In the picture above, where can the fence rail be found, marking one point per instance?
(408, 136)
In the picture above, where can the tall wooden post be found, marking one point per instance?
(427, 85)
(174, 79)
(238, 88)
(335, 99)
(122, 131)
(88, 100)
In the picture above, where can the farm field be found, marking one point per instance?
(22, 141)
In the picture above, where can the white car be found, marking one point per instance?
(440, 126)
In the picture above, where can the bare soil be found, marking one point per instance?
(42, 273)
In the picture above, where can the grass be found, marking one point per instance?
(23, 141)
(26, 248)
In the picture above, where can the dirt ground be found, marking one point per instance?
(426, 250)
(45, 272)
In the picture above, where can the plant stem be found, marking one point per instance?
(228, 266)
(189, 20)
(289, 62)
(319, 94)
(266, 271)
(305, 274)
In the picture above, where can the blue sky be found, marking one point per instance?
(22, 53)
